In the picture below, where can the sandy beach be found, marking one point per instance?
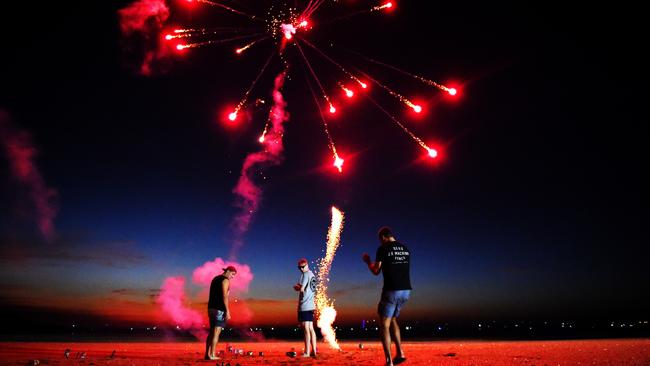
(572, 352)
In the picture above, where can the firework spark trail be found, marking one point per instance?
(21, 154)
(188, 33)
(361, 83)
(388, 5)
(215, 41)
(397, 95)
(325, 305)
(311, 8)
(248, 194)
(338, 162)
(233, 115)
(216, 4)
(266, 128)
(432, 152)
(332, 109)
(451, 91)
(307, 9)
(251, 44)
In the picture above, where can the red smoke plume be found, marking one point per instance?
(141, 23)
(248, 193)
(21, 153)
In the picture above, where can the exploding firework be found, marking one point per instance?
(288, 28)
(325, 305)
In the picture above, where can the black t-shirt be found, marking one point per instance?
(395, 261)
(216, 294)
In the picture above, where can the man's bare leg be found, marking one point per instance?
(305, 328)
(397, 338)
(313, 338)
(385, 339)
(215, 340)
(208, 343)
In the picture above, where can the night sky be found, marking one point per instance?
(535, 208)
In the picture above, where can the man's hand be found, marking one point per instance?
(366, 258)
(227, 315)
(297, 287)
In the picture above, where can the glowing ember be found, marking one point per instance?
(348, 93)
(288, 30)
(452, 91)
(332, 109)
(232, 116)
(338, 163)
(385, 6)
(417, 108)
(433, 153)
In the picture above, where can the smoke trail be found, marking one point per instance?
(325, 305)
(173, 300)
(21, 153)
(248, 193)
(248, 196)
(141, 23)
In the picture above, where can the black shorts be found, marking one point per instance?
(306, 316)
(217, 318)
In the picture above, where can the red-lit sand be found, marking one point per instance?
(589, 352)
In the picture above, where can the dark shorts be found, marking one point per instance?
(217, 318)
(306, 316)
(391, 303)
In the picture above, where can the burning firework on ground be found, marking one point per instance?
(288, 28)
(325, 305)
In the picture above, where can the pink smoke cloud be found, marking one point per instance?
(21, 154)
(204, 274)
(141, 23)
(248, 194)
(173, 300)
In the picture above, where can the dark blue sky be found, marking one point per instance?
(536, 208)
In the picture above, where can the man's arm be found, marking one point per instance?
(374, 267)
(304, 282)
(225, 286)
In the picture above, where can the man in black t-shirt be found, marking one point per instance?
(393, 259)
(218, 309)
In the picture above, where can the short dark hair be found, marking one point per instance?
(385, 231)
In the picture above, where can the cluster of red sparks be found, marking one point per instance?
(287, 28)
